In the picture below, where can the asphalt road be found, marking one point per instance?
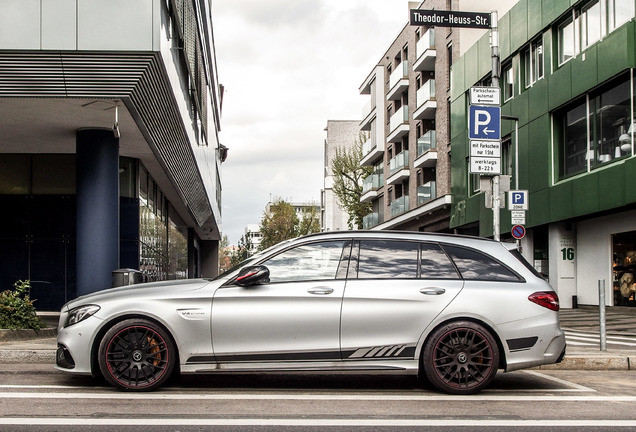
(37, 398)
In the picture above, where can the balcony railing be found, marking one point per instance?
(426, 42)
(367, 146)
(425, 52)
(400, 117)
(373, 182)
(426, 142)
(400, 72)
(400, 205)
(426, 192)
(370, 220)
(426, 92)
(399, 161)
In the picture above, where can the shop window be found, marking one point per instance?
(624, 268)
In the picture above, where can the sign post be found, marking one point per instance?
(485, 102)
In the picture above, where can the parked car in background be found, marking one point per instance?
(453, 309)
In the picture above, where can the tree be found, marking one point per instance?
(348, 177)
(310, 222)
(242, 252)
(280, 223)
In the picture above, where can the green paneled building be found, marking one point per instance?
(567, 75)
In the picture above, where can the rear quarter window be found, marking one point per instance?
(475, 265)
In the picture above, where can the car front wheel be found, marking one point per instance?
(461, 357)
(136, 354)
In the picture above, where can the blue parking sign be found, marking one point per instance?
(484, 122)
(518, 200)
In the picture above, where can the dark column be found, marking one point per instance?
(97, 209)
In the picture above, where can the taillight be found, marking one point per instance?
(547, 299)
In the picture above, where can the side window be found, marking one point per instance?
(386, 259)
(314, 261)
(477, 266)
(435, 264)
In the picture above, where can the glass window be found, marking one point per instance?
(435, 264)
(566, 41)
(386, 259)
(595, 130)
(590, 24)
(508, 82)
(533, 62)
(574, 137)
(477, 266)
(314, 261)
(619, 12)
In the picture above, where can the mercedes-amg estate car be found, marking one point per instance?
(452, 309)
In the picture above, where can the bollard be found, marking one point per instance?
(601, 315)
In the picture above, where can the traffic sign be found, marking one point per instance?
(485, 96)
(440, 18)
(518, 232)
(518, 200)
(484, 122)
(518, 217)
(485, 148)
(485, 165)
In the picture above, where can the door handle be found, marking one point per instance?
(432, 291)
(320, 291)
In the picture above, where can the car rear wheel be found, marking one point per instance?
(461, 357)
(136, 354)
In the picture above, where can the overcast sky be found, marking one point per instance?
(288, 66)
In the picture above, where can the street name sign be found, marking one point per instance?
(484, 122)
(438, 18)
(485, 96)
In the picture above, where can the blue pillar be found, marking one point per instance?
(97, 209)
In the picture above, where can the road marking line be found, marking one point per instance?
(153, 421)
(572, 385)
(319, 397)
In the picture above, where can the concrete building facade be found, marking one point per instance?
(341, 134)
(109, 152)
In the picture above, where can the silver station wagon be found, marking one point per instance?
(451, 309)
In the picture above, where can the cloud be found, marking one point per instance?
(289, 66)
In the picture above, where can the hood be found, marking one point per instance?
(149, 290)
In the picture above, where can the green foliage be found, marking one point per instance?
(243, 251)
(279, 224)
(17, 310)
(348, 178)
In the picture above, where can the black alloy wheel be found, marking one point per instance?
(461, 358)
(136, 354)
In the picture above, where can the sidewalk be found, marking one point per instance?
(581, 326)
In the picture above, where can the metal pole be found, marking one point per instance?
(601, 315)
(494, 44)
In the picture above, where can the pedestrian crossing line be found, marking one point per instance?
(595, 334)
(597, 340)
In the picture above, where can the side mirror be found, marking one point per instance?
(252, 275)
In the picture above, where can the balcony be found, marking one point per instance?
(426, 151)
(370, 187)
(400, 205)
(399, 168)
(425, 101)
(368, 114)
(398, 81)
(425, 52)
(370, 150)
(398, 124)
(370, 220)
(426, 192)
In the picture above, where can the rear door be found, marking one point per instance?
(394, 290)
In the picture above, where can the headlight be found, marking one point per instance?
(80, 313)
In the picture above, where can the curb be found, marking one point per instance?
(25, 356)
(594, 363)
(10, 335)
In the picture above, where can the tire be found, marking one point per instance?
(461, 357)
(136, 355)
